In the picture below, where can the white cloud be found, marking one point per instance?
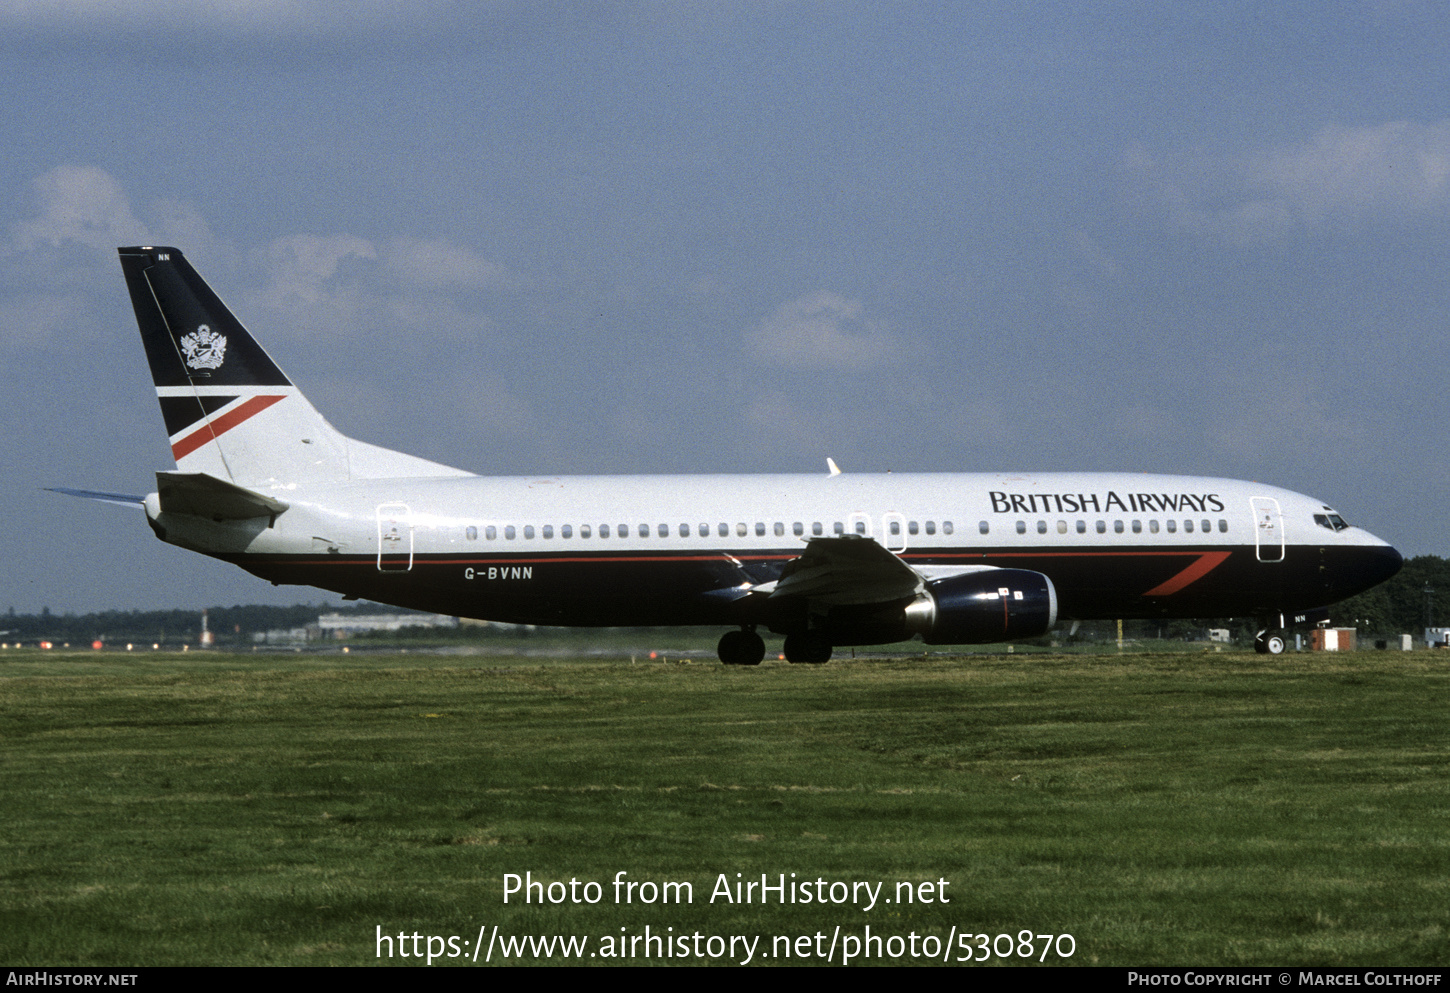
(302, 266)
(1390, 171)
(266, 16)
(437, 263)
(338, 285)
(822, 330)
(80, 205)
(307, 289)
(1398, 166)
(182, 226)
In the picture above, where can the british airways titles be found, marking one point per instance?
(1082, 503)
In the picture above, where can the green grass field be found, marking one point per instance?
(164, 809)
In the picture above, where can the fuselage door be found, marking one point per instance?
(893, 532)
(1268, 529)
(395, 538)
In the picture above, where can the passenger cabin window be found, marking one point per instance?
(860, 527)
(471, 532)
(759, 529)
(1117, 527)
(1153, 526)
(1021, 527)
(1223, 525)
(604, 530)
(741, 530)
(1137, 527)
(723, 530)
(895, 528)
(1172, 527)
(931, 527)
(816, 528)
(529, 532)
(584, 530)
(1102, 527)
(566, 531)
(663, 530)
(490, 532)
(704, 530)
(548, 531)
(839, 528)
(1062, 527)
(1082, 527)
(913, 528)
(946, 527)
(797, 529)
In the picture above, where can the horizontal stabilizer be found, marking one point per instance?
(119, 499)
(201, 495)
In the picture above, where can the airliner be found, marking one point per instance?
(263, 481)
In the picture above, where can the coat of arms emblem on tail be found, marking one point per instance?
(204, 348)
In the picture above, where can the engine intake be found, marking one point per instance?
(986, 606)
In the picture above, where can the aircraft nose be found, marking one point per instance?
(1374, 564)
(1360, 567)
(1390, 562)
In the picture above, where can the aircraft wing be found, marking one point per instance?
(848, 570)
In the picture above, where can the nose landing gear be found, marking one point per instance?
(1271, 641)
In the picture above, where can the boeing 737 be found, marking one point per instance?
(263, 481)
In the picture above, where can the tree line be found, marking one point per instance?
(229, 624)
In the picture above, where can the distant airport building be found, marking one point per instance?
(1437, 637)
(1220, 634)
(1332, 640)
(342, 625)
(286, 636)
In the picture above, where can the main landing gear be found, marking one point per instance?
(741, 648)
(808, 646)
(748, 648)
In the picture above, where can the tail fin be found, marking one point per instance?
(230, 411)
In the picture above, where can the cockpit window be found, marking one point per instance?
(1331, 521)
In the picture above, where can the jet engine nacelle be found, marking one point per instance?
(986, 606)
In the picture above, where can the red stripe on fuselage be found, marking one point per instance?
(213, 429)
(1207, 562)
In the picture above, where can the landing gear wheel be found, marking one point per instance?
(808, 647)
(1271, 642)
(741, 648)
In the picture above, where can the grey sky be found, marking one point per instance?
(697, 237)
